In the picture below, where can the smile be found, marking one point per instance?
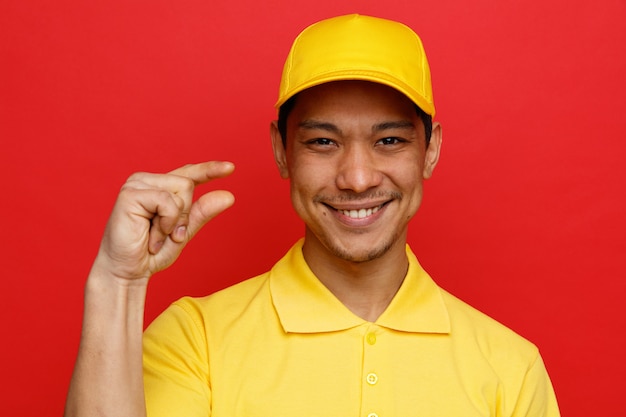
(361, 213)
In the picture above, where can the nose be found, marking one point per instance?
(358, 170)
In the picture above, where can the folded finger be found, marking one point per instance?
(172, 225)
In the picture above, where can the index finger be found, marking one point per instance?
(205, 171)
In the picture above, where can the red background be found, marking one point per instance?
(524, 218)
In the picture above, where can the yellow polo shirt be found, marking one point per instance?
(282, 345)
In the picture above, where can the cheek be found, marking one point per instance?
(309, 177)
(407, 175)
(409, 181)
(304, 186)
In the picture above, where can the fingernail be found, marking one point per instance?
(180, 233)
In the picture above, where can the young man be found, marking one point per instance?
(347, 323)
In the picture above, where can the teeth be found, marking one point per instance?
(359, 214)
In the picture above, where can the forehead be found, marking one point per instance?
(353, 100)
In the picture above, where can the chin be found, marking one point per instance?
(360, 255)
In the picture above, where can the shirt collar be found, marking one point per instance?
(305, 305)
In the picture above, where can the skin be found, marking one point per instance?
(335, 160)
(356, 146)
(153, 219)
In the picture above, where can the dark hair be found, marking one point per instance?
(283, 113)
(287, 107)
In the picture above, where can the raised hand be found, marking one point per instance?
(152, 221)
(155, 216)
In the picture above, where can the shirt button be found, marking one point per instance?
(372, 378)
(372, 415)
(371, 338)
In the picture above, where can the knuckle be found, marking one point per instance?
(163, 196)
(136, 176)
(186, 184)
(180, 202)
(134, 182)
(127, 190)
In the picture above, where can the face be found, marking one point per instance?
(356, 157)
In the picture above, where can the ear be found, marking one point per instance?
(280, 154)
(432, 151)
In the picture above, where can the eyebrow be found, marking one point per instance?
(311, 124)
(400, 124)
(317, 125)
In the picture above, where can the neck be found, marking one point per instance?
(365, 288)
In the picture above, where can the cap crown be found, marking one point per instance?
(357, 47)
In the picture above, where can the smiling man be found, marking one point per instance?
(356, 154)
(347, 323)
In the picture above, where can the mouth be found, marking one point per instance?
(360, 213)
(357, 213)
(359, 210)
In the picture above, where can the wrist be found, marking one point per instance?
(115, 300)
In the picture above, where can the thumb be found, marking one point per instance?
(206, 207)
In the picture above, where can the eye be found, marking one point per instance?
(390, 141)
(321, 142)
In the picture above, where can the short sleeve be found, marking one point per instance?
(536, 397)
(176, 365)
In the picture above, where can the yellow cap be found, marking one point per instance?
(357, 47)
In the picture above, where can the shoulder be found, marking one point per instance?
(486, 345)
(229, 301)
(496, 343)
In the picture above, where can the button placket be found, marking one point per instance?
(371, 353)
